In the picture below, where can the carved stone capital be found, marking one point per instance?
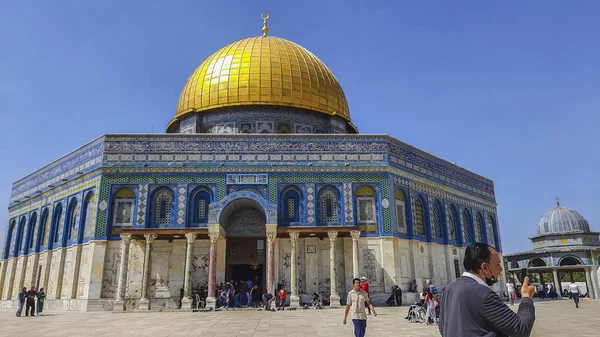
(294, 236)
(271, 236)
(150, 238)
(355, 235)
(332, 235)
(125, 238)
(191, 237)
(213, 237)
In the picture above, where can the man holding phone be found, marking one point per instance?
(469, 307)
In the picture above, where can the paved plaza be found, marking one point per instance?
(553, 318)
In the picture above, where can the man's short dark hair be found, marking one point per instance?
(475, 255)
(356, 279)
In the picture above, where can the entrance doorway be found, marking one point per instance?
(246, 259)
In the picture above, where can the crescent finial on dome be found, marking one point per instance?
(557, 201)
(265, 16)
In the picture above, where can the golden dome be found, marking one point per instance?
(263, 70)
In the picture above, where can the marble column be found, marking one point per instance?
(294, 298)
(186, 303)
(119, 304)
(588, 281)
(211, 300)
(355, 236)
(144, 303)
(271, 263)
(556, 282)
(334, 298)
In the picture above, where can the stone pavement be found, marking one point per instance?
(553, 318)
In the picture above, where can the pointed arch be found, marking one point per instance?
(366, 205)
(162, 208)
(419, 221)
(44, 236)
(401, 214)
(436, 220)
(490, 231)
(32, 235)
(453, 224)
(465, 221)
(477, 228)
(56, 231)
(290, 205)
(200, 199)
(70, 232)
(123, 202)
(329, 206)
(87, 217)
(10, 237)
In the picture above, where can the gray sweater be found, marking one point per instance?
(468, 308)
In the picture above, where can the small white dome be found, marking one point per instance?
(562, 220)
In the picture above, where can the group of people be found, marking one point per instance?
(468, 306)
(28, 298)
(248, 294)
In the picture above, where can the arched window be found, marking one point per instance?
(436, 223)
(400, 212)
(478, 237)
(45, 223)
(570, 261)
(72, 218)
(88, 216)
(328, 204)
(537, 262)
(199, 207)
(20, 234)
(465, 226)
(419, 218)
(33, 229)
(489, 229)
(366, 205)
(57, 230)
(163, 208)
(123, 201)
(290, 206)
(10, 237)
(452, 229)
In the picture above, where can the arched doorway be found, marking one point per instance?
(244, 223)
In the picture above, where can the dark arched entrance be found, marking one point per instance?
(244, 223)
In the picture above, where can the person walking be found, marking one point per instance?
(30, 297)
(574, 289)
(41, 296)
(431, 287)
(356, 301)
(469, 307)
(282, 297)
(510, 290)
(430, 299)
(364, 285)
(21, 301)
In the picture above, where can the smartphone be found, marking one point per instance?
(523, 274)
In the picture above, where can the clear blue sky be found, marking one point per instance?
(509, 89)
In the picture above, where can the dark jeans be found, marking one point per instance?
(360, 327)
(30, 308)
(576, 299)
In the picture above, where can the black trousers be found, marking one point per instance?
(30, 308)
(576, 299)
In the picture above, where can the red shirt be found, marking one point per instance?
(282, 294)
(365, 287)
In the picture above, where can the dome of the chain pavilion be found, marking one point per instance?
(562, 220)
(263, 70)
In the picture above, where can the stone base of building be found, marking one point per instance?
(68, 305)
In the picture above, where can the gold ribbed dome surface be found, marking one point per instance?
(263, 70)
